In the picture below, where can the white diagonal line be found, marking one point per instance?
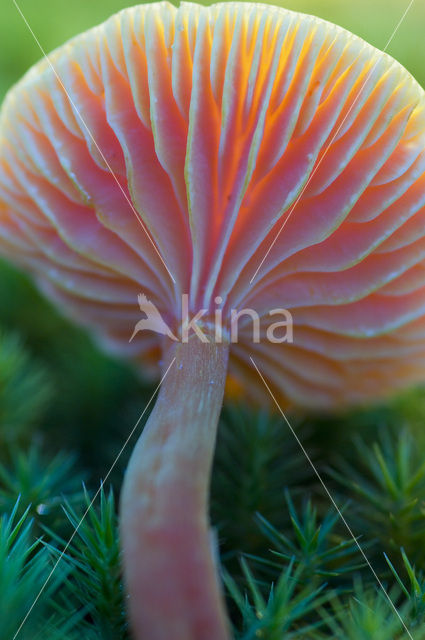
(136, 213)
(398, 25)
(330, 143)
(92, 501)
(338, 510)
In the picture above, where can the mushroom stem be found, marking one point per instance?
(170, 571)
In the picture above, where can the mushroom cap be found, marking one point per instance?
(195, 141)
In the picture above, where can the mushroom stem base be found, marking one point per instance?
(170, 572)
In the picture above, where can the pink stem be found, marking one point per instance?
(170, 573)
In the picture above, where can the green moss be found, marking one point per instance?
(290, 566)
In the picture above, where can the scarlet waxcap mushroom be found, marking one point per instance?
(236, 156)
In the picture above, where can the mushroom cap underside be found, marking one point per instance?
(242, 151)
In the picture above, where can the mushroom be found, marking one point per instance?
(232, 157)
